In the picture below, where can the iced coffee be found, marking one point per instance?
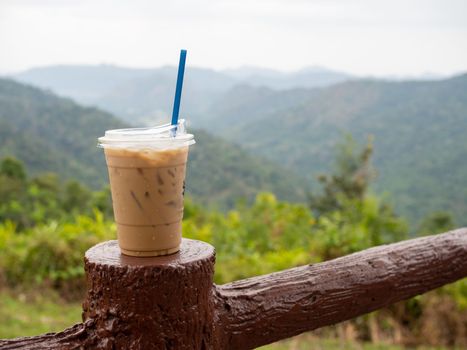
(147, 176)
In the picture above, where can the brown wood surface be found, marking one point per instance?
(264, 309)
(140, 303)
(150, 303)
(72, 338)
(171, 303)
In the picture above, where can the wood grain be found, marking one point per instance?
(171, 303)
(264, 309)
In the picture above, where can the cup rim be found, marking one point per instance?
(164, 136)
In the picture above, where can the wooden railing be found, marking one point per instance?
(171, 302)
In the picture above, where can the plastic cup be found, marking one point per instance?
(147, 179)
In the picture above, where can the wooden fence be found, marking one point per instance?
(171, 302)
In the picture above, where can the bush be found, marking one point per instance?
(51, 253)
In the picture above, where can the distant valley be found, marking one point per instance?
(53, 134)
(145, 96)
(419, 129)
(419, 126)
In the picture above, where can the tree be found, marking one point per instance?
(102, 201)
(349, 217)
(12, 190)
(436, 222)
(76, 197)
(12, 168)
(351, 178)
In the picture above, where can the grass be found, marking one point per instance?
(27, 314)
(310, 342)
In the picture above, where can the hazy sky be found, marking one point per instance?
(366, 37)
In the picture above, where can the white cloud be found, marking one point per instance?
(360, 36)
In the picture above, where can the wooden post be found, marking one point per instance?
(150, 303)
(170, 302)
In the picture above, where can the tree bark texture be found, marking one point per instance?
(141, 303)
(264, 309)
(170, 302)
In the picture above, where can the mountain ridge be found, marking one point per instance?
(416, 124)
(51, 133)
(418, 127)
(140, 96)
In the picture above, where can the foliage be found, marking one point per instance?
(419, 130)
(350, 219)
(50, 253)
(358, 225)
(53, 134)
(349, 181)
(436, 222)
(220, 173)
(46, 226)
(13, 169)
(266, 237)
(28, 202)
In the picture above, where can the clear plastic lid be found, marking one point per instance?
(159, 137)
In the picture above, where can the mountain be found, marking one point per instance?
(418, 126)
(50, 133)
(420, 147)
(83, 83)
(147, 100)
(304, 78)
(244, 104)
(225, 172)
(138, 96)
(245, 72)
(145, 96)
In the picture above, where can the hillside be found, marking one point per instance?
(83, 83)
(137, 96)
(419, 128)
(140, 96)
(304, 78)
(54, 134)
(141, 101)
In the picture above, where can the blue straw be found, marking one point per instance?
(178, 90)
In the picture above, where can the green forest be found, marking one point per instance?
(47, 224)
(419, 128)
(291, 178)
(54, 134)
